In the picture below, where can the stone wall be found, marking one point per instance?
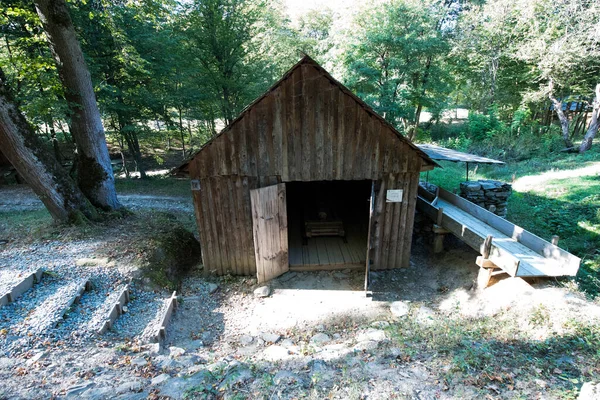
(489, 194)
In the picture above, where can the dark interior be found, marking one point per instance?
(328, 223)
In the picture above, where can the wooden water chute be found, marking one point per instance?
(502, 244)
(301, 179)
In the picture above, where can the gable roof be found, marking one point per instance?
(306, 60)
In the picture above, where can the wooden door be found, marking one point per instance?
(269, 221)
(370, 236)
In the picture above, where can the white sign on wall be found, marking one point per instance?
(394, 196)
(195, 184)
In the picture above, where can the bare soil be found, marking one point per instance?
(316, 336)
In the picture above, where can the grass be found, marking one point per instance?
(496, 351)
(155, 185)
(548, 204)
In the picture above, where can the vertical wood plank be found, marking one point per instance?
(318, 171)
(270, 231)
(408, 228)
(340, 134)
(379, 223)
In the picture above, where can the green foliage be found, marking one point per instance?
(395, 60)
(567, 207)
(482, 127)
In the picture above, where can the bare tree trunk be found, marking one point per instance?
(94, 172)
(564, 121)
(25, 151)
(181, 132)
(586, 143)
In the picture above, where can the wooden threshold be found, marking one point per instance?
(327, 267)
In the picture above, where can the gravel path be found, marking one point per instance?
(22, 198)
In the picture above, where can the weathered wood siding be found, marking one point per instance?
(224, 221)
(307, 129)
(394, 222)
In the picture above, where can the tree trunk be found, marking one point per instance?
(94, 172)
(412, 133)
(26, 152)
(564, 122)
(181, 132)
(586, 143)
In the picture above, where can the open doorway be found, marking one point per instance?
(328, 224)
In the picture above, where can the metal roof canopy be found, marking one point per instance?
(443, 154)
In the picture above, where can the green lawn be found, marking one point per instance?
(555, 195)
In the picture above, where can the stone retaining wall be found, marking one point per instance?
(489, 194)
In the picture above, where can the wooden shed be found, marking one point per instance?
(306, 177)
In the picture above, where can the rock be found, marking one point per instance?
(190, 360)
(470, 186)
(139, 361)
(130, 386)
(76, 390)
(124, 309)
(133, 396)
(171, 252)
(276, 353)
(589, 391)
(287, 343)
(320, 339)
(176, 352)
(245, 340)
(399, 309)
(235, 376)
(286, 378)
(270, 337)
(174, 388)
(366, 345)
(98, 393)
(376, 335)
(380, 324)
(37, 358)
(194, 344)
(165, 363)
(489, 185)
(263, 291)
(317, 366)
(152, 349)
(212, 287)
(157, 380)
(201, 377)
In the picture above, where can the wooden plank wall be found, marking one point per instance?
(224, 219)
(394, 224)
(308, 129)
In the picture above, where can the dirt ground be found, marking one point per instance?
(422, 333)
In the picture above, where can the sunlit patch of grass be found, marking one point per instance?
(494, 350)
(567, 207)
(154, 185)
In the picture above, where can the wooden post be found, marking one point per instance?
(555, 239)
(440, 215)
(487, 247)
(486, 268)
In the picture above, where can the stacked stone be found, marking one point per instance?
(489, 194)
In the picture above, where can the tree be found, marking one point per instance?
(221, 36)
(395, 60)
(586, 143)
(36, 164)
(94, 171)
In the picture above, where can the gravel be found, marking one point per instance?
(36, 317)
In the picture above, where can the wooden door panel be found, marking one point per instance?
(269, 221)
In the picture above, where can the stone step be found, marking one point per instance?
(116, 311)
(24, 285)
